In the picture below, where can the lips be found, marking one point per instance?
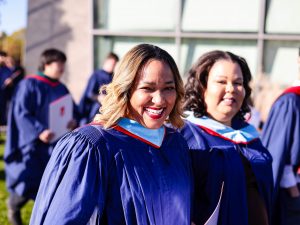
(228, 101)
(154, 113)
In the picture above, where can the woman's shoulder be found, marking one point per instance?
(93, 133)
(85, 144)
(285, 103)
(192, 129)
(85, 139)
(172, 131)
(180, 133)
(194, 135)
(174, 135)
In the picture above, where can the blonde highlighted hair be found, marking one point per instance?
(115, 103)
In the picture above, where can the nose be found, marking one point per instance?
(229, 87)
(158, 98)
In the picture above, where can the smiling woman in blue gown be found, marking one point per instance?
(225, 149)
(126, 167)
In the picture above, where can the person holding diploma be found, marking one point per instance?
(226, 151)
(127, 167)
(28, 146)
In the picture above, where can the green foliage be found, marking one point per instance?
(26, 211)
(13, 44)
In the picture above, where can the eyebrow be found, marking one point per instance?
(152, 83)
(224, 76)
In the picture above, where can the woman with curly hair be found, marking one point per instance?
(127, 167)
(227, 154)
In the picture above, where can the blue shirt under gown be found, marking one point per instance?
(216, 158)
(25, 155)
(123, 175)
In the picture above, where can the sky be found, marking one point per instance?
(13, 15)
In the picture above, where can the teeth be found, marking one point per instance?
(228, 99)
(154, 111)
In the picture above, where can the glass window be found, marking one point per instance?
(239, 16)
(283, 16)
(135, 15)
(220, 15)
(121, 45)
(280, 61)
(192, 49)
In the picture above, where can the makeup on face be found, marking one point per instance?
(154, 95)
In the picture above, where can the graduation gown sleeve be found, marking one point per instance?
(74, 182)
(281, 134)
(23, 112)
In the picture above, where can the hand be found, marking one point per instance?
(46, 136)
(72, 124)
(8, 82)
(293, 191)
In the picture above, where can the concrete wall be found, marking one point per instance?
(62, 24)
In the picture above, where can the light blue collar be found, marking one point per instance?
(136, 130)
(243, 135)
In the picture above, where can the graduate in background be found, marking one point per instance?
(281, 135)
(17, 74)
(91, 99)
(28, 147)
(224, 148)
(5, 73)
(126, 167)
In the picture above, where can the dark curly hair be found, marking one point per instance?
(197, 82)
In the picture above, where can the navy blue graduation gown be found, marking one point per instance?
(4, 93)
(112, 177)
(88, 107)
(17, 74)
(25, 155)
(281, 133)
(216, 160)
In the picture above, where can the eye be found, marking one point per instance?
(221, 81)
(146, 88)
(171, 88)
(239, 83)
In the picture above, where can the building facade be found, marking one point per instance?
(265, 32)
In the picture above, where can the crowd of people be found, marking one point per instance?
(145, 148)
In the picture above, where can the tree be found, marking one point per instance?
(13, 44)
(3, 35)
